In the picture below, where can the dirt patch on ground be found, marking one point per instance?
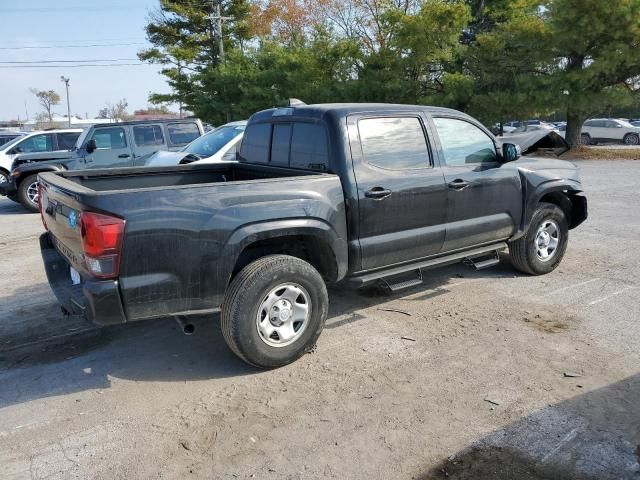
(550, 322)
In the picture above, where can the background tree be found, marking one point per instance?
(505, 51)
(185, 42)
(103, 113)
(117, 111)
(495, 59)
(595, 60)
(159, 110)
(47, 100)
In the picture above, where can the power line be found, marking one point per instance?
(72, 46)
(76, 66)
(72, 40)
(73, 61)
(75, 9)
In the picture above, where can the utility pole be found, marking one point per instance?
(217, 7)
(180, 98)
(66, 84)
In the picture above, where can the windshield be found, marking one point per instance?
(210, 143)
(11, 143)
(624, 123)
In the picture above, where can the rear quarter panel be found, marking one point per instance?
(181, 244)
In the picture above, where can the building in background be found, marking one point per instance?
(61, 121)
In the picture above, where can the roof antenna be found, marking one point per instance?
(294, 102)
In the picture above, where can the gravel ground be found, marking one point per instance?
(479, 391)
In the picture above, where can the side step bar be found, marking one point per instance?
(484, 262)
(368, 278)
(395, 284)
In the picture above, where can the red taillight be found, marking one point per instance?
(102, 243)
(41, 200)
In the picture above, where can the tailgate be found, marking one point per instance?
(61, 210)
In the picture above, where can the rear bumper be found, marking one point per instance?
(8, 188)
(97, 300)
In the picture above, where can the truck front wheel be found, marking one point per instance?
(274, 311)
(541, 249)
(28, 193)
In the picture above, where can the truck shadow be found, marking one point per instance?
(591, 436)
(43, 353)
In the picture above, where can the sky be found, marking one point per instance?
(70, 29)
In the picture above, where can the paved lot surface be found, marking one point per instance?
(480, 393)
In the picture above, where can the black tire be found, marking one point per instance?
(4, 175)
(585, 139)
(23, 193)
(631, 139)
(245, 296)
(523, 252)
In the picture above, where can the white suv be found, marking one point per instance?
(609, 130)
(47, 141)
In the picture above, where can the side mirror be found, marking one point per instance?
(15, 150)
(511, 152)
(91, 146)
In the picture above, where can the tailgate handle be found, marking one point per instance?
(124, 155)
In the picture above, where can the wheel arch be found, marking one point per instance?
(26, 171)
(311, 240)
(562, 193)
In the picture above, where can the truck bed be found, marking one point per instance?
(184, 228)
(123, 179)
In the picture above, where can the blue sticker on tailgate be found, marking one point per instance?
(72, 220)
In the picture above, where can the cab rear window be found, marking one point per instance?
(294, 144)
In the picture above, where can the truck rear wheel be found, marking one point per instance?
(274, 311)
(541, 249)
(28, 193)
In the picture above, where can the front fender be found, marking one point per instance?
(535, 194)
(23, 171)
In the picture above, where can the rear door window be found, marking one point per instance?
(182, 133)
(394, 143)
(148, 135)
(67, 140)
(256, 143)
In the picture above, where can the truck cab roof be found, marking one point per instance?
(340, 110)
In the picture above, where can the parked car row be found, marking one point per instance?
(593, 131)
(37, 142)
(123, 144)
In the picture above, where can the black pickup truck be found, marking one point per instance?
(355, 194)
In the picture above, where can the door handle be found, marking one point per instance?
(377, 193)
(458, 184)
(124, 155)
